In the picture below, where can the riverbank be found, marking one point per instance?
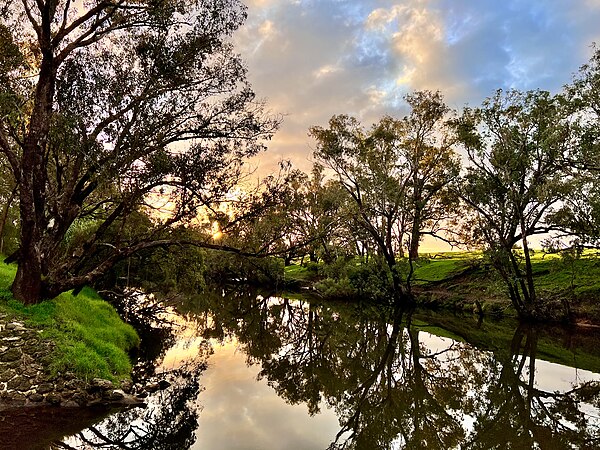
(462, 281)
(69, 351)
(568, 290)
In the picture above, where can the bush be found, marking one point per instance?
(352, 277)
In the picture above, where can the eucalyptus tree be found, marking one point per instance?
(111, 108)
(580, 213)
(516, 145)
(370, 175)
(433, 165)
(397, 175)
(320, 216)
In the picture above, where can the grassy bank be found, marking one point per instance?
(460, 280)
(90, 338)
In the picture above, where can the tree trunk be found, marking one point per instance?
(27, 286)
(415, 237)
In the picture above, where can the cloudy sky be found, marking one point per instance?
(312, 59)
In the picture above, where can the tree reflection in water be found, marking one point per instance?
(171, 417)
(390, 390)
(169, 422)
(373, 367)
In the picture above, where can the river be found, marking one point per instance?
(258, 372)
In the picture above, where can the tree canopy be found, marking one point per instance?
(112, 109)
(396, 175)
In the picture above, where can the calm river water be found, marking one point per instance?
(253, 372)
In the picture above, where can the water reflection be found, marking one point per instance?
(169, 422)
(390, 384)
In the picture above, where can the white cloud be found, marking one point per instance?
(313, 59)
(240, 413)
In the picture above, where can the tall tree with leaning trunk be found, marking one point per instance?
(111, 109)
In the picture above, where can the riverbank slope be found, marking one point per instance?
(71, 350)
(463, 281)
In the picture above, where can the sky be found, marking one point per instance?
(311, 59)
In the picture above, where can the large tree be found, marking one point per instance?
(516, 145)
(397, 175)
(114, 108)
(580, 213)
(433, 165)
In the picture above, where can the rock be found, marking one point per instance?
(16, 326)
(99, 384)
(44, 388)
(163, 384)
(53, 398)
(6, 375)
(16, 397)
(127, 386)
(10, 355)
(35, 397)
(30, 372)
(19, 383)
(16, 364)
(80, 397)
(74, 384)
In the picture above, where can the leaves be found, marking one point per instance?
(131, 99)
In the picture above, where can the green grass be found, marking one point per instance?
(91, 339)
(582, 275)
(558, 281)
(302, 273)
(431, 270)
(552, 273)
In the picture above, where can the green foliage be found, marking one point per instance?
(174, 270)
(356, 278)
(516, 144)
(91, 339)
(396, 176)
(94, 106)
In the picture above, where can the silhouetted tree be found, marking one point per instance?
(111, 109)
